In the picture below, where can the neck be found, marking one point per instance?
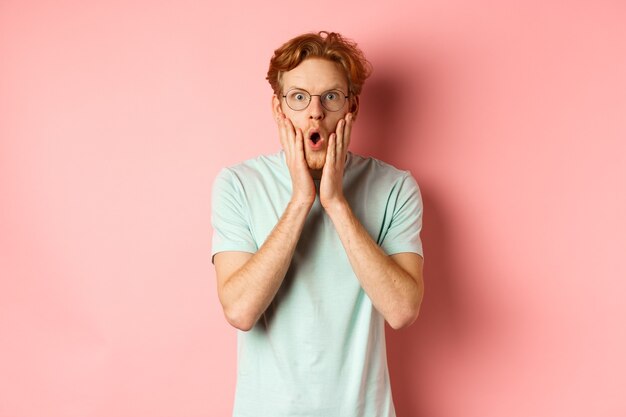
(316, 173)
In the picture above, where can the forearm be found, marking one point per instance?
(249, 290)
(393, 291)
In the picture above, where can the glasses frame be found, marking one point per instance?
(346, 96)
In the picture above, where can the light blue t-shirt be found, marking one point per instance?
(319, 348)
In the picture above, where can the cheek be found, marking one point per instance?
(336, 120)
(296, 119)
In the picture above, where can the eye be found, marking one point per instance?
(298, 96)
(331, 96)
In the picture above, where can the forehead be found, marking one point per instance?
(315, 74)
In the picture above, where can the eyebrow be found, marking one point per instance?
(336, 87)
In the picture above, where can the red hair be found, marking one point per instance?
(331, 46)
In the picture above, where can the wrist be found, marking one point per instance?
(336, 207)
(301, 203)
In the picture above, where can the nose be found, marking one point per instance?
(316, 110)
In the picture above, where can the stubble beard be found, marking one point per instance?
(315, 160)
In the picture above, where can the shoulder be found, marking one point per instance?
(259, 164)
(374, 170)
(260, 168)
(380, 180)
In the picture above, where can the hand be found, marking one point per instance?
(292, 141)
(331, 186)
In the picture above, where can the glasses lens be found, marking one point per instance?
(298, 99)
(333, 100)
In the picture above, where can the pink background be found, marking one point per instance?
(115, 117)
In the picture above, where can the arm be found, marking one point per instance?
(393, 283)
(247, 283)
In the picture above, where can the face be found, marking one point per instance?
(316, 76)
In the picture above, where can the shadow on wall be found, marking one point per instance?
(382, 120)
(394, 102)
(413, 352)
(393, 122)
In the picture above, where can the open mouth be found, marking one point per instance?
(315, 137)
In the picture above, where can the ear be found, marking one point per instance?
(354, 106)
(277, 110)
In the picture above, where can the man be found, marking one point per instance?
(315, 247)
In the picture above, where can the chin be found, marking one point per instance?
(316, 162)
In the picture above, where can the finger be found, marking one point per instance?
(347, 131)
(291, 130)
(299, 144)
(290, 135)
(286, 141)
(330, 151)
(340, 137)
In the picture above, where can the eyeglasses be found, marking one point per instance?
(332, 100)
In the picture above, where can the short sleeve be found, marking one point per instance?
(230, 216)
(403, 232)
